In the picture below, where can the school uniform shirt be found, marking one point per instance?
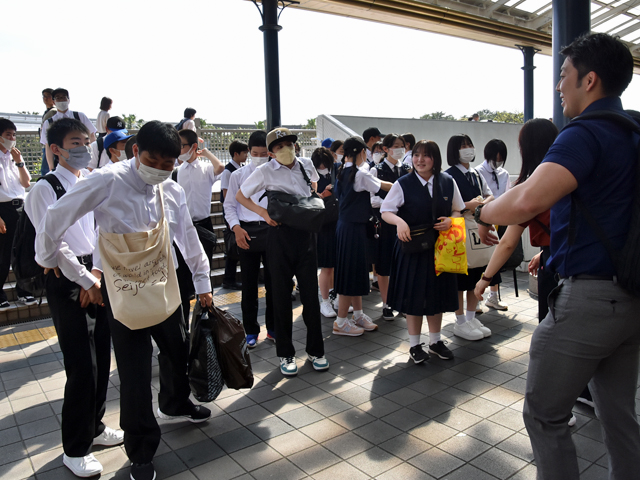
(80, 238)
(68, 114)
(498, 179)
(273, 176)
(376, 201)
(197, 179)
(395, 198)
(95, 162)
(365, 180)
(224, 176)
(10, 187)
(408, 158)
(484, 186)
(190, 124)
(123, 203)
(233, 211)
(101, 121)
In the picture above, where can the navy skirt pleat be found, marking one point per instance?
(386, 242)
(327, 246)
(351, 275)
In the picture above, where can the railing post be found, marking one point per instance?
(270, 29)
(528, 68)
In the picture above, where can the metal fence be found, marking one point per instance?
(216, 140)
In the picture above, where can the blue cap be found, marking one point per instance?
(115, 137)
(327, 142)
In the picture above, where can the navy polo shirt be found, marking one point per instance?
(602, 157)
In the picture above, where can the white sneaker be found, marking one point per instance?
(327, 310)
(477, 324)
(109, 437)
(28, 300)
(495, 303)
(86, 466)
(479, 307)
(467, 332)
(572, 421)
(288, 366)
(319, 363)
(349, 329)
(365, 322)
(336, 304)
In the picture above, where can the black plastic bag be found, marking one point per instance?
(205, 374)
(233, 354)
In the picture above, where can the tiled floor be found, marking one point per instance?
(374, 414)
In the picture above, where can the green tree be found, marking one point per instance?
(260, 125)
(311, 124)
(28, 113)
(131, 121)
(501, 116)
(437, 116)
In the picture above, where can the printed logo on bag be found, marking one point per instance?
(476, 243)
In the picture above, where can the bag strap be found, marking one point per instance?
(333, 175)
(543, 226)
(304, 174)
(434, 211)
(55, 184)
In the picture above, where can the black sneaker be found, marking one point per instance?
(332, 294)
(4, 306)
(232, 286)
(441, 350)
(197, 414)
(418, 354)
(142, 471)
(387, 314)
(374, 286)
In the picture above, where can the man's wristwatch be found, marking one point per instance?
(476, 216)
(20, 165)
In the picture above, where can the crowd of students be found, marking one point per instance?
(124, 233)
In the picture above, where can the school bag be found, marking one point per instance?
(626, 261)
(205, 374)
(76, 115)
(29, 275)
(179, 125)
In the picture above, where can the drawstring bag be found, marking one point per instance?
(231, 345)
(450, 251)
(205, 375)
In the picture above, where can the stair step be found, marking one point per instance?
(23, 313)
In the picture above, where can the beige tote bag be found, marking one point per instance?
(478, 254)
(139, 274)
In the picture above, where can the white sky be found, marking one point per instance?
(154, 58)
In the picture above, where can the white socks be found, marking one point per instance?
(414, 340)
(471, 314)
(493, 294)
(357, 313)
(326, 300)
(341, 321)
(434, 337)
(461, 319)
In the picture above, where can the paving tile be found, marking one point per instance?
(594, 472)
(270, 427)
(198, 453)
(12, 453)
(18, 469)
(42, 443)
(219, 425)
(256, 456)
(379, 407)
(183, 437)
(481, 407)
(347, 445)
(9, 435)
(301, 417)
(282, 404)
(281, 469)
(588, 448)
(430, 407)
(433, 432)
(314, 459)
(340, 470)
(251, 414)
(323, 430)
(509, 418)
(310, 395)
(377, 432)
(436, 462)
(427, 386)
(498, 463)
(530, 473)
(518, 445)
(404, 471)
(502, 396)
(404, 419)
(458, 419)
(453, 396)
(404, 396)
(223, 467)
(464, 446)
(468, 472)
(352, 418)
(290, 443)
(236, 440)
(374, 461)
(356, 395)
(34, 429)
(330, 406)
(48, 460)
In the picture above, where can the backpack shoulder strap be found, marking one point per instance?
(304, 174)
(55, 184)
(100, 143)
(76, 115)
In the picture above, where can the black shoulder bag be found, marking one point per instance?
(423, 237)
(331, 206)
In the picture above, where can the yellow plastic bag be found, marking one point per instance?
(450, 251)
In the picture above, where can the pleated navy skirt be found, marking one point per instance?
(386, 242)
(415, 289)
(327, 246)
(351, 275)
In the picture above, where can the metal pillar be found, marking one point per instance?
(270, 28)
(528, 68)
(571, 18)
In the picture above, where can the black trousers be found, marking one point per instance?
(8, 213)
(290, 252)
(230, 263)
(133, 349)
(83, 335)
(250, 271)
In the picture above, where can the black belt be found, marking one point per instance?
(253, 223)
(85, 260)
(200, 222)
(584, 276)
(16, 202)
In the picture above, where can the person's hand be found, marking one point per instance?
(443, 224)
(487, 236)
(534, 264)
(268, 219)
(473, 204)
(93, 295)
(326, 193)
(3, 226)
(96, 273)
(404, 232)
(56, 270)
(242, 237)
(200, 140)
(15, 153)
(481, 286)
(206, 299)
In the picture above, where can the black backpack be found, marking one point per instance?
(30, 275)
(179, 125)
(76, 115)
(100, 144)
(627, 260)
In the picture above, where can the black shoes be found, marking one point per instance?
(142, 471)
(387, 314)
(232, 286)
(197, 414)
(441, 350)
(418, 354)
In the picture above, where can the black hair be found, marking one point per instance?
(389, 139)
(189, 135)
(368, 133)
(48, 90)
(376, 145)
(159, 139)
(189, 112)
(114, 145)
(493, 148)
(409, 140)
(605, 55)
(431, 149)
(129, 146)
(535, 138)
(60, 90)
(353, 146)
(61, 128)
(322, 156)
(453, 148)
(105, 103)
(335, 146)
(6, 124)
(238, 147)
(258, 139)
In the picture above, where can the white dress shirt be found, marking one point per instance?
(504, 182)
(10, 186)
(190, 124)
(123, 203)
(101, 121)
(224, 176)
(104, 157)
(273, 176)
(197, 179)
(68, 114)
(395, 198)
(408, 158)
(365, 181)
(80, 238)
(484, 187)
(233, 211)
(376, 201)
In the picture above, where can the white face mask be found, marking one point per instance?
(376, 157)
(150, 175)
(62, 106)
(496, 165)
(467, 155)
(339, 159)
(185, 157)
(257, 161)
(323, 171)
(396, 153)
(122, 156)
(8, 144)
(286, 155)
(79, 157)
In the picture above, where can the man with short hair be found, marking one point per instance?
(100, 156)
(47, 99)
(592, 332)
(188, 120)
(370, 136)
